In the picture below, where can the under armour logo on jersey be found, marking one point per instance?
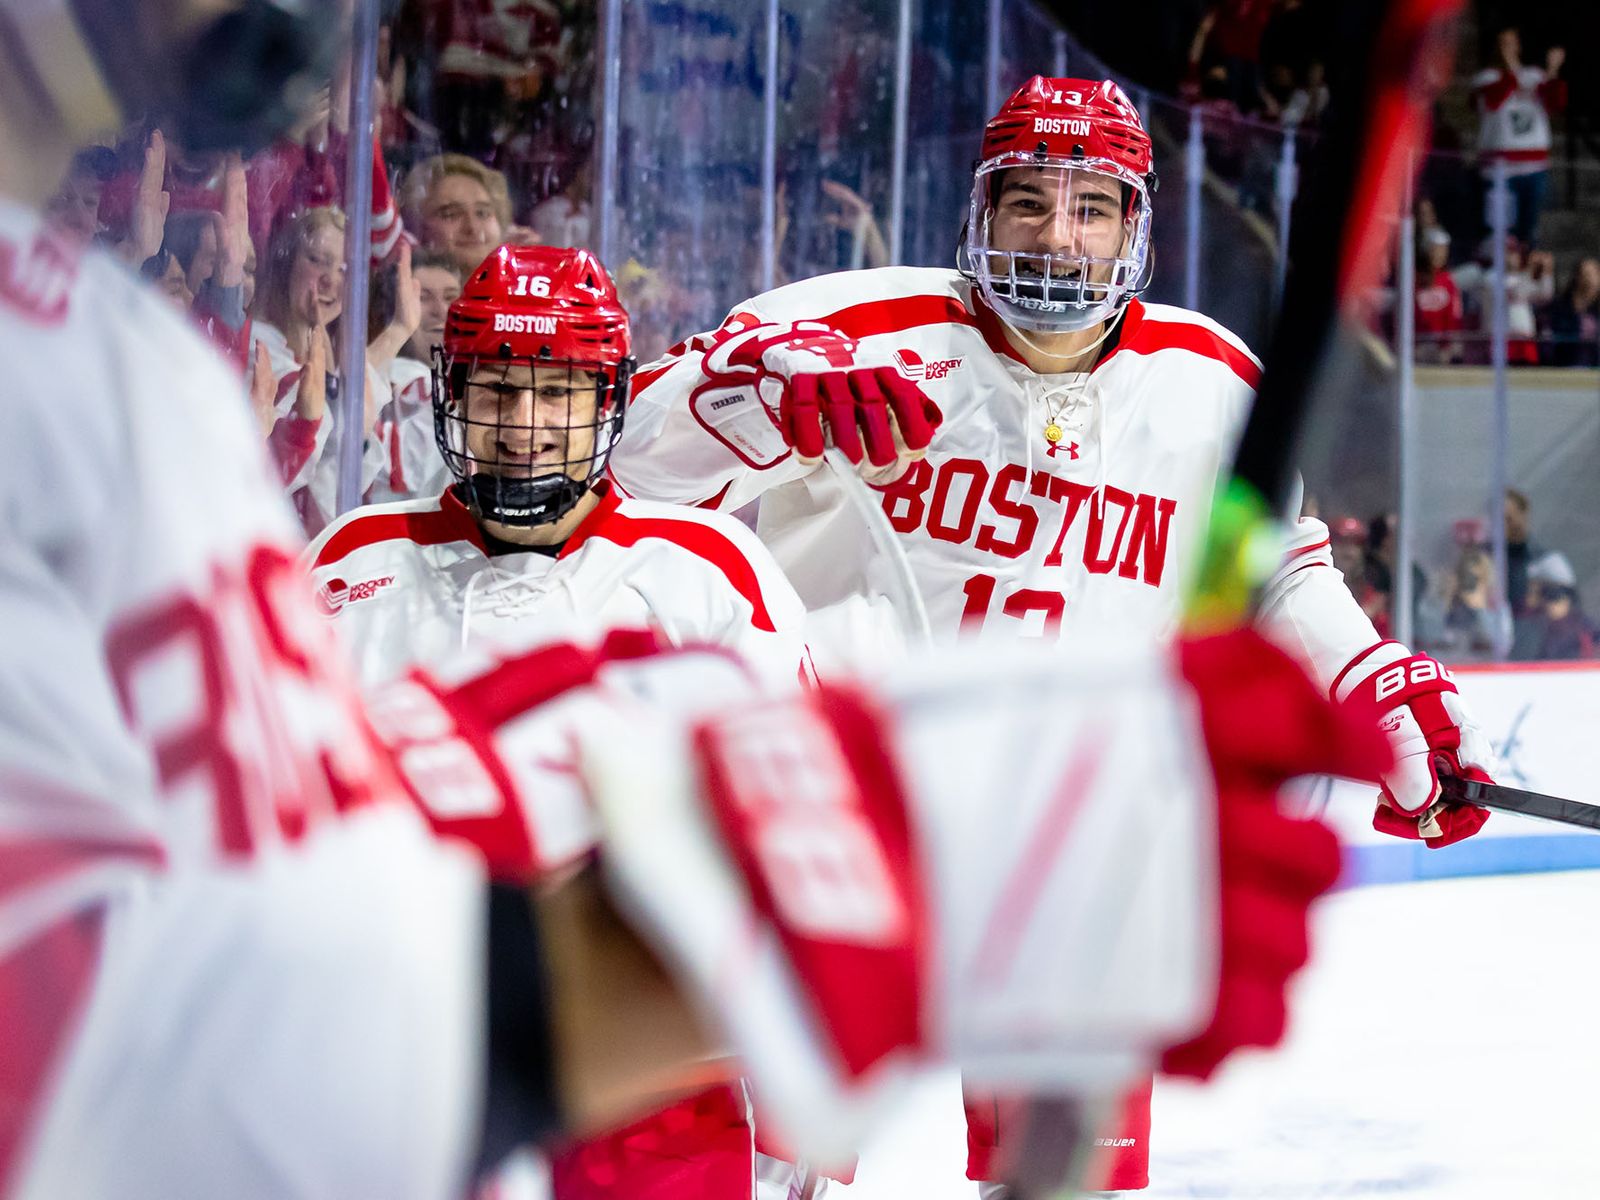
(1070, 447)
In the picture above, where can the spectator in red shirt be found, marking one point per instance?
(1438, 302)
(1515, 103)
(1348, 537)
(1229, 36)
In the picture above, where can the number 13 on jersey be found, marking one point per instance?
(1042, 611)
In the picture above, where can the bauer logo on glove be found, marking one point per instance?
(1419, 709)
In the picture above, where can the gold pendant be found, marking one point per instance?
(1052, 433)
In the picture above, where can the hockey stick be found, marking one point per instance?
(908, 604)
(1396, 54)
(1498, 798)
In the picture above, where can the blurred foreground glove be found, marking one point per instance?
(818, 870)
(1265, 723)
(803, 387)
(483, 746)
(1415, 702)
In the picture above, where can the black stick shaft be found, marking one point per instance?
(1527, 804)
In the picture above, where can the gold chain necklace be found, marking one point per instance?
(1053, 432)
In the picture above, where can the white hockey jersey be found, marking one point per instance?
(176, 734)
(1514, 117)
(416, 582)
(1004, 531)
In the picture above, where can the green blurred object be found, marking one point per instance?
(1242, 549)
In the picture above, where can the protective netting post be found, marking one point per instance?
(1406, 356)
(769, 154)
(991, 60)
(605, 178)
(357, 250)
(1194, 167)
(1286, 184)
(1499, 330)
(901, 132)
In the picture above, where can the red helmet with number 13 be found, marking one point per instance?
(1058, 233)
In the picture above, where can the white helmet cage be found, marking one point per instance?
(1053, 292)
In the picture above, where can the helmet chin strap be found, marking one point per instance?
(1111, 326)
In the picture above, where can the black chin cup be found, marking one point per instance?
(1031, 289)
(523, 502)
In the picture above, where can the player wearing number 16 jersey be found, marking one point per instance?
(1045, 444)
(529, 390)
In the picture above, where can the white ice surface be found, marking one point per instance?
(1445, 1044)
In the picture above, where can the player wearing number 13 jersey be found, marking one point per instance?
(1045, 444)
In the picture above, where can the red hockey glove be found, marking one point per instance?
(803, 387)
(1264, 724)
(1415, 702)
(802, 854)
(486, 747)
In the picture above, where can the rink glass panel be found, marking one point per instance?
(947, 115)
(1027, 45)
(834, 136)
(686, 244)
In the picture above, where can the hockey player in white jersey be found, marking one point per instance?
(247, 942)
(529, 393)
(1045, 444)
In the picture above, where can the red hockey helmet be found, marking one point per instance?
(531, 384)
(1079, 135)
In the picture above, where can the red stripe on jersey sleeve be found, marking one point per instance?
(450, 522)
(610, 524)
(645, 378)
(900, 313)
(1303, 567)
(1333, 688)
(1323, 544)
(1152, 335)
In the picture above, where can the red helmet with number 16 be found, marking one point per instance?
(530, 386)
(1058, 233)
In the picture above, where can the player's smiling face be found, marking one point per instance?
(1048, 210)
(524, 421)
